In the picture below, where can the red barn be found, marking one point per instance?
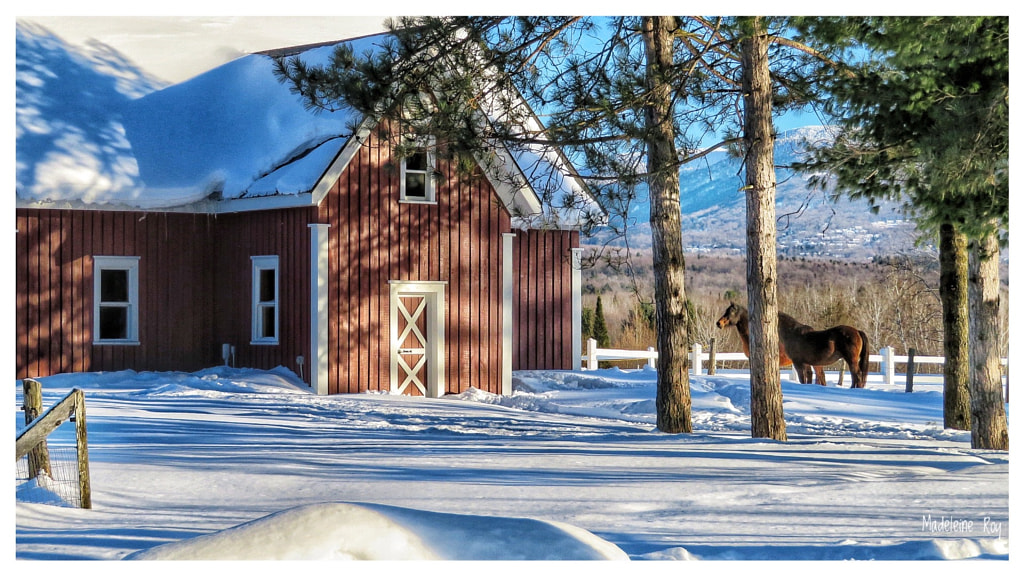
(219, 221)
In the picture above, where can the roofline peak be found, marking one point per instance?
(287, 51)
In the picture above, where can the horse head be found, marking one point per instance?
(731, 316)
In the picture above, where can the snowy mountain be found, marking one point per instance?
(810, 224)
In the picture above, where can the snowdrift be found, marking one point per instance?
(358, 531)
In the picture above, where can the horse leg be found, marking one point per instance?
(803, 372)
(819, 372)
(856, 374)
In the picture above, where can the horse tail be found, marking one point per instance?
(864, 352)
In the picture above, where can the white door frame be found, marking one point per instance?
(433, 293)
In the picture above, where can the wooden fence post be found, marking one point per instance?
(591, 354)
(910, 370)
(82, 442)
(652, 359)
(38, 457)
(711, 357)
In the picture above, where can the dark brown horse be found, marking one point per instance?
(736, 315)
(809, 347)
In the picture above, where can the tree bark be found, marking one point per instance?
(955, 345)
(988, 413)
(673, 394)
(766, 417)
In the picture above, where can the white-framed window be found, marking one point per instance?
(417, 178)
(265, 305)
(115, 299)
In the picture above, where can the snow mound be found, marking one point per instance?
(360, 531)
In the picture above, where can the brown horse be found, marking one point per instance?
(809, 347)
(736, 315)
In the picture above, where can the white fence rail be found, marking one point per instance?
(886, 358)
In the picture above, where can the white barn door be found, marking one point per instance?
(412, 344)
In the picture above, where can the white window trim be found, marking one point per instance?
(429, 181)
(577, 308)
(260, 263)
(319, 305)
(131, 264)
(507, 304)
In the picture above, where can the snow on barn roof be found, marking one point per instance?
(232, 138)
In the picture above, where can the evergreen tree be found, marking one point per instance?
(600, 326)
(925, 119)
(586, 324)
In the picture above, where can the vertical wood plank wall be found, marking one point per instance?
(374, 239)
(195, 277)
(54, 277)
(239, 237)
(543, 299)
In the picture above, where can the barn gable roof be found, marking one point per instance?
(235, 138)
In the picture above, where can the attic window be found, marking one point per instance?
(418, 175)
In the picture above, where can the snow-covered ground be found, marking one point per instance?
(233, 463)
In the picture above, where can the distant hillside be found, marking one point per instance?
(809, 223)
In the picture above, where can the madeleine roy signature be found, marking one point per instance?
(951, 525)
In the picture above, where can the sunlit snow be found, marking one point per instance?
(244, 464)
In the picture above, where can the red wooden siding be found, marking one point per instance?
(374, 239)
(54, 277)
(195, 289)
(239, 237)
(542, 337)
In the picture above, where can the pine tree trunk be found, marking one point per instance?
(953, 293)
(766, 417)
(673, 395)
(988, 413)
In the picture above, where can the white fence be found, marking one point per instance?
(886, 358)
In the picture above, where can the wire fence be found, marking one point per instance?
(58, 486)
